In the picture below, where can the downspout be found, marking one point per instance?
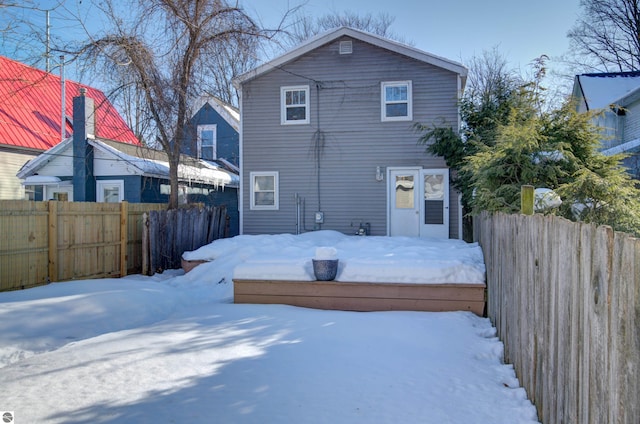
(240, 191)
(319, 145)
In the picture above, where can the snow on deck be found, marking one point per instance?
(370, 259)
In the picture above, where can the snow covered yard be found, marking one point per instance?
(172, 348)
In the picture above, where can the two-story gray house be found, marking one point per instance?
(327, 139)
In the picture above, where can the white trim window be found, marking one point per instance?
(396, 101)
(110, 191)
(207, 141)
(264, 190)
(294, 105)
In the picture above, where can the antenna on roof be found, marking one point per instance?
(47, 48)
(63, 120)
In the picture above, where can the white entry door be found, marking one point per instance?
(404, 205)
(418, 202)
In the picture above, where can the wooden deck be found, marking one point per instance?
(363, 296)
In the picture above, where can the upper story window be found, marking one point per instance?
(207, 141)
(294, 103)
(396, 101)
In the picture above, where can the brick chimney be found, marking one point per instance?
(84, 182)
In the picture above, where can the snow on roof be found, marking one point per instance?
(41, 180)
(602, 90)
(629, 146)
(154, 163)
(148, 162)
(30, 108)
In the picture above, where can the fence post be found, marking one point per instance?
(124, 215)
(526, 199)
(53, 240)
(145, 244)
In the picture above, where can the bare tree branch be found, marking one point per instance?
(608, 34)
(306, 26)
(166, 49)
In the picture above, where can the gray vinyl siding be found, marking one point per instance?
(632, 122)
(347, 90)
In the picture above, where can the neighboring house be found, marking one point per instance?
(31, 119)
(617, 96)
(328, 139)
(88, 168)
(212, 132)
(212, 135)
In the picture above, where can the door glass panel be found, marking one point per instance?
(433, 199)
(433, 187)
(404, 191)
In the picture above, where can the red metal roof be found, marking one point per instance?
(30, 108)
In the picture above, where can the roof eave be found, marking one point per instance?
(35, 164)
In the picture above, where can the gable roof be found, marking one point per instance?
(30, 108)
(143, 160)
(366, 37)
(229, 113)
(601, 90)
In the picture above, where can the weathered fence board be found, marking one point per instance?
(57, 241)
(173, 232)
(565, 299)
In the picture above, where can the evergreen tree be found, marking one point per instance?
(556, 149)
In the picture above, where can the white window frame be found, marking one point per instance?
(384, 102)
(276, 190)
(102, 184)
(201, 129)
(283, 105)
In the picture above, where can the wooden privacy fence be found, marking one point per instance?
(170, 233)
(565, 299)
(49, 241)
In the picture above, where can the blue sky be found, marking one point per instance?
(457, 29)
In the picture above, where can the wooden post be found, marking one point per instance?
(124, 215)
(145, 244)
(527, 199)
(53, 240)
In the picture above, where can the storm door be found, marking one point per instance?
(434, 198)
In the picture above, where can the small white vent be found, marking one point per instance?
(346, 47)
